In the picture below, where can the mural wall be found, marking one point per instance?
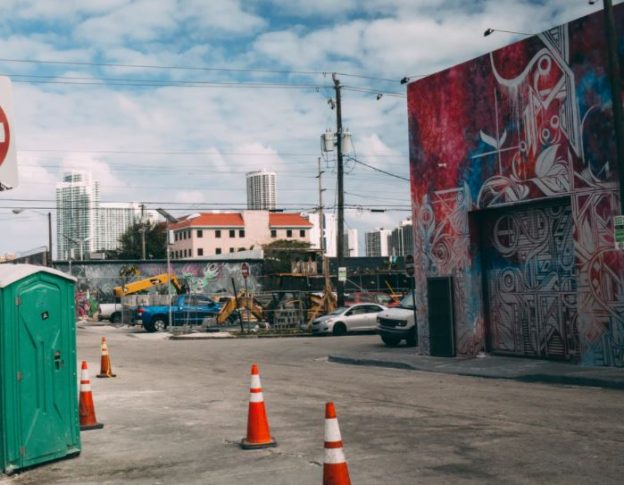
(96, 280)
(514, 188)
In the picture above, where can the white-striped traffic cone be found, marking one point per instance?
(258, 432)
(335, 470)
(86, 410)
(106, 370)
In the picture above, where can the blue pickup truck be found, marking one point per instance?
(185, 310)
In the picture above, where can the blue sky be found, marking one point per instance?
(188, 146)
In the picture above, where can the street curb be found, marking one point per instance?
(565, 380)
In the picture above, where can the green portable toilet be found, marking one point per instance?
(38, 394)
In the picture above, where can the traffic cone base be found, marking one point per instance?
(246, 445)
(105, 367)
(86, 409)
(258, 433)
(335, 469)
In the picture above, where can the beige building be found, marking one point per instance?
(213, 234)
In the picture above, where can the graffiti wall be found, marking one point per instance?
(96, 279)
(496, 145)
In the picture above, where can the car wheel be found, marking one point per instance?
(157, 324)
(411, 339)
(115, 317)
(391, 340)
(340, 329)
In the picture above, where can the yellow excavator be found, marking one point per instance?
(147, 283)
(230, 304)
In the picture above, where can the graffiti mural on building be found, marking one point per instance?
(526, 124)
(96, 280)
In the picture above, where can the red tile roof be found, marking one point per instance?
(288, 220)
(224, 219)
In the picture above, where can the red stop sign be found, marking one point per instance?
(245, 270)
(5, 139)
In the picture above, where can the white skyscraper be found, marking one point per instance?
(328, 231)
(77, 201)
(261, 190)
(115, 219)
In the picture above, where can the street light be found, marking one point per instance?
(80, 243)
(49, 216)
(490, 31)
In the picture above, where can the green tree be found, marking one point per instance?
(280, 254)
(155, 242)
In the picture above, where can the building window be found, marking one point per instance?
(218, 251)
(301, 232)
(218, 234)
(231, 250)
(241, 249)
(188, 234)
(200, 233)
(232, 233)
(273, 233)
(241, 233)
(176, 236)
(200, 251)
(288, 232)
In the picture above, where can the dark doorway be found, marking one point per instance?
(441, 320)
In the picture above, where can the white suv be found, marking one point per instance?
(396, 324)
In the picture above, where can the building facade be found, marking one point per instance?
(116, 217)
(377, 242)
(401, 240)
(513, 202)
(77, 201)
(327, 231)
(216, 234)
(261, 190)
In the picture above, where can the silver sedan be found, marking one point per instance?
(357, 318)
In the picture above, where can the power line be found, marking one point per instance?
(378, 169)
(151, 66)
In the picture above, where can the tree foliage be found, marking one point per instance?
(131, 246)
(279, 255)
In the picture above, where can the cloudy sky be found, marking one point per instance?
(171, 102)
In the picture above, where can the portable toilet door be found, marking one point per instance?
(38, 392)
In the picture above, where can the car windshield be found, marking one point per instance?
(338, 311)
(407, 301)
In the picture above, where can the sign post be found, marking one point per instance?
(342, 274)
(245, 273)
(8, 158)
(618, 231)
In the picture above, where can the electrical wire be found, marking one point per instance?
(378, 169)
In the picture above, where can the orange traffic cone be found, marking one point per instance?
(258, 433)
(105, 367)
(335, 470)
(86, 408)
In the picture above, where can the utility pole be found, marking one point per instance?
(143, 232)
(320, 208)
(616, 93)
(340, 188)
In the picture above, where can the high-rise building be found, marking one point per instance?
(327, 230)
(402, 239)
(77, 201)
(377, 242)
(261, 190)
(351, 243)
(115, 218)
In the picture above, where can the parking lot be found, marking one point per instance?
(178, 409)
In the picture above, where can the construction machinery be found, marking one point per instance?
(147, 283)
(242, 301)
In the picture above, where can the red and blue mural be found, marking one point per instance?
(514, 188)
